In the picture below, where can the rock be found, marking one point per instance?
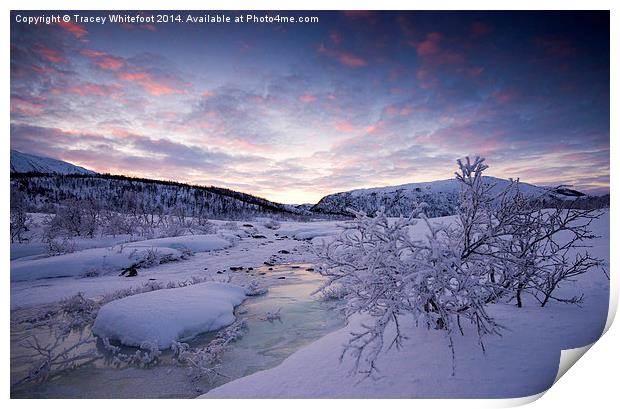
(248, 225)
(129, 272)
(258, 236)
(284, 252)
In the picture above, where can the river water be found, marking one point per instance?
(303, 319)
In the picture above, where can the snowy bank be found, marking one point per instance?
(522, 362)
(86, 262)
(195, 243)
(307, 231)
(170, 315)
(112, 259)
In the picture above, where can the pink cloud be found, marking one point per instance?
(431, 45)
(49, 54)
(103, 60)
(307, 98)
(506, 95)
(344, 126)
(345, 58)
(92, 89)
(149, 83)
(25, 107)
(76, 30)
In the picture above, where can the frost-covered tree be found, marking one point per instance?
(19, 216)
(498, 247)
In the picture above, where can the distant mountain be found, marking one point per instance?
(441, 196)
(24, 163)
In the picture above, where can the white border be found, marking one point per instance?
(591, 383)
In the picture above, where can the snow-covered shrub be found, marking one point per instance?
(233, 226)
(202, 225)
(55, 240)
(171, 229)
(272, 316)
(333, 292)
(253, 288)
(146, 356)
(56, 356)
(114, 223)
(205, 362)
(499, 247)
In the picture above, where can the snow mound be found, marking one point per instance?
(196, 243)
(309, 231)
(165, 316)
(86, 262)
(100, 261)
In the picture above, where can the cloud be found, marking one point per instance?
(345, 58)
(77, 30)
(119, 152)
(49, 54)
(307, 98)
(103, 60)
(92, 89)
(431, 45)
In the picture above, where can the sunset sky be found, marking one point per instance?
(293, 112)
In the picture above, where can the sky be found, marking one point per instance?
(295, 111)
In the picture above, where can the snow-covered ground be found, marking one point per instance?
(212, 259)
(522, 362)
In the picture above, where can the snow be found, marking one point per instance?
(307, 231)
(23, 162)
(522, 362)
(441, 196)
(195, 243)
(110, 259)
(165, 316)
(449, 186)
(245, 251)
(86, 262)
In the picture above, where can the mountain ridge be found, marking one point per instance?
(26, 163)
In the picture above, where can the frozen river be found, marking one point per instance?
(303, 319)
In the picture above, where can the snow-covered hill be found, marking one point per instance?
(441, 196)
(23, 163)
(44, 193)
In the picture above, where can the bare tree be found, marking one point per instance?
(19, 216)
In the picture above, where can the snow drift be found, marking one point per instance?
(99, 261)
(169, 315)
